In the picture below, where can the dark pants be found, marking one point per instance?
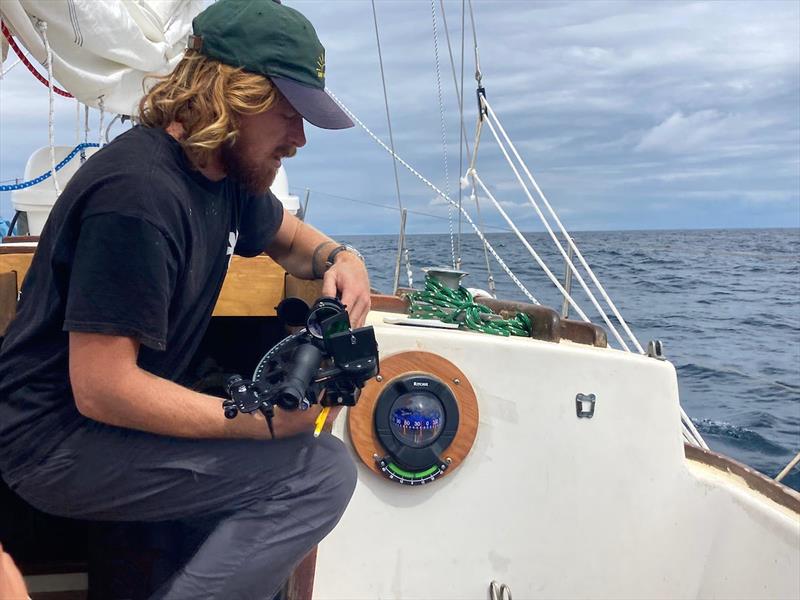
(271, 501)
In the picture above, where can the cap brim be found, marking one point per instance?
(313, 104)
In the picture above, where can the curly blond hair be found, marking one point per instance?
(206, 97)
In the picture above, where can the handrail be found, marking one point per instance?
(788, 468)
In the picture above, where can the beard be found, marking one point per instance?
(252, 174)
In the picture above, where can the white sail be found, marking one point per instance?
(102, 51)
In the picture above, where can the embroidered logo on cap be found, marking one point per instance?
(321, 66)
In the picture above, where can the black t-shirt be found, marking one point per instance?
(137, 245)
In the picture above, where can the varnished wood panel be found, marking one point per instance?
(253, 287)
(361, 417)
(300, 585)
(16, 239)
(307, 290)
(17, 261)
(8, 299)
(392, 304)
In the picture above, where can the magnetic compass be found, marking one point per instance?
(416, 421)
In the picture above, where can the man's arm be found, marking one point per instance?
(109, 387)
(302, 251)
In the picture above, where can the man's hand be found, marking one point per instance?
(348, 279)
(297, 247)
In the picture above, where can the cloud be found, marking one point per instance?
(682, 133)
(616, 107)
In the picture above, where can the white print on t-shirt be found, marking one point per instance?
(232, 237)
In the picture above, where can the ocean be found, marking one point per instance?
(725, 304)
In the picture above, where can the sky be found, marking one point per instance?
(630, 115)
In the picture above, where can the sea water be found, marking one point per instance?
(725, 304)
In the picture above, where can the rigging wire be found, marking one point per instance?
(444, 132)
(689, 428)
(4, 71)
(498, 228)
(474, 193)
(391, 136)
(527, 245)
(419, 176)
(478, 76)
(460, 97)
(586, 266)
(463, 143)
(558, 244)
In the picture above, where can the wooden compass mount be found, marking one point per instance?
(361, 417)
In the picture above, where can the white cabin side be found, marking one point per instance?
(557, 506)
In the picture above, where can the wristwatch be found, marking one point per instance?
(343, 248)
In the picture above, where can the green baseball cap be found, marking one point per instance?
(269, 38)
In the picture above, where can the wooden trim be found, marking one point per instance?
(548, 325)
(53, 567)
(300, 585)
(253, 287)
(361, 417)
(68, 595)
(391, 304)
(581, 332)
(17, 249)
(18, 262)
(16, 239)
(8, 299)
(307, 290)
(756, 481)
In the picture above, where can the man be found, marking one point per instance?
(129, 266)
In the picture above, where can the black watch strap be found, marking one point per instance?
(343, 248)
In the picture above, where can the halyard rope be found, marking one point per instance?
(437, 301)
(51, 135)
(391, 136)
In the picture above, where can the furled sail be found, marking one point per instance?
(102, 51)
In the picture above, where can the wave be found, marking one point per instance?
(703, 372)
(745, 438)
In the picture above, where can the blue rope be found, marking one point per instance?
(41, 178)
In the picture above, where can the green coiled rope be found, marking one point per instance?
(437, 301)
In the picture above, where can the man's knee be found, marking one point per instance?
(341, 472)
